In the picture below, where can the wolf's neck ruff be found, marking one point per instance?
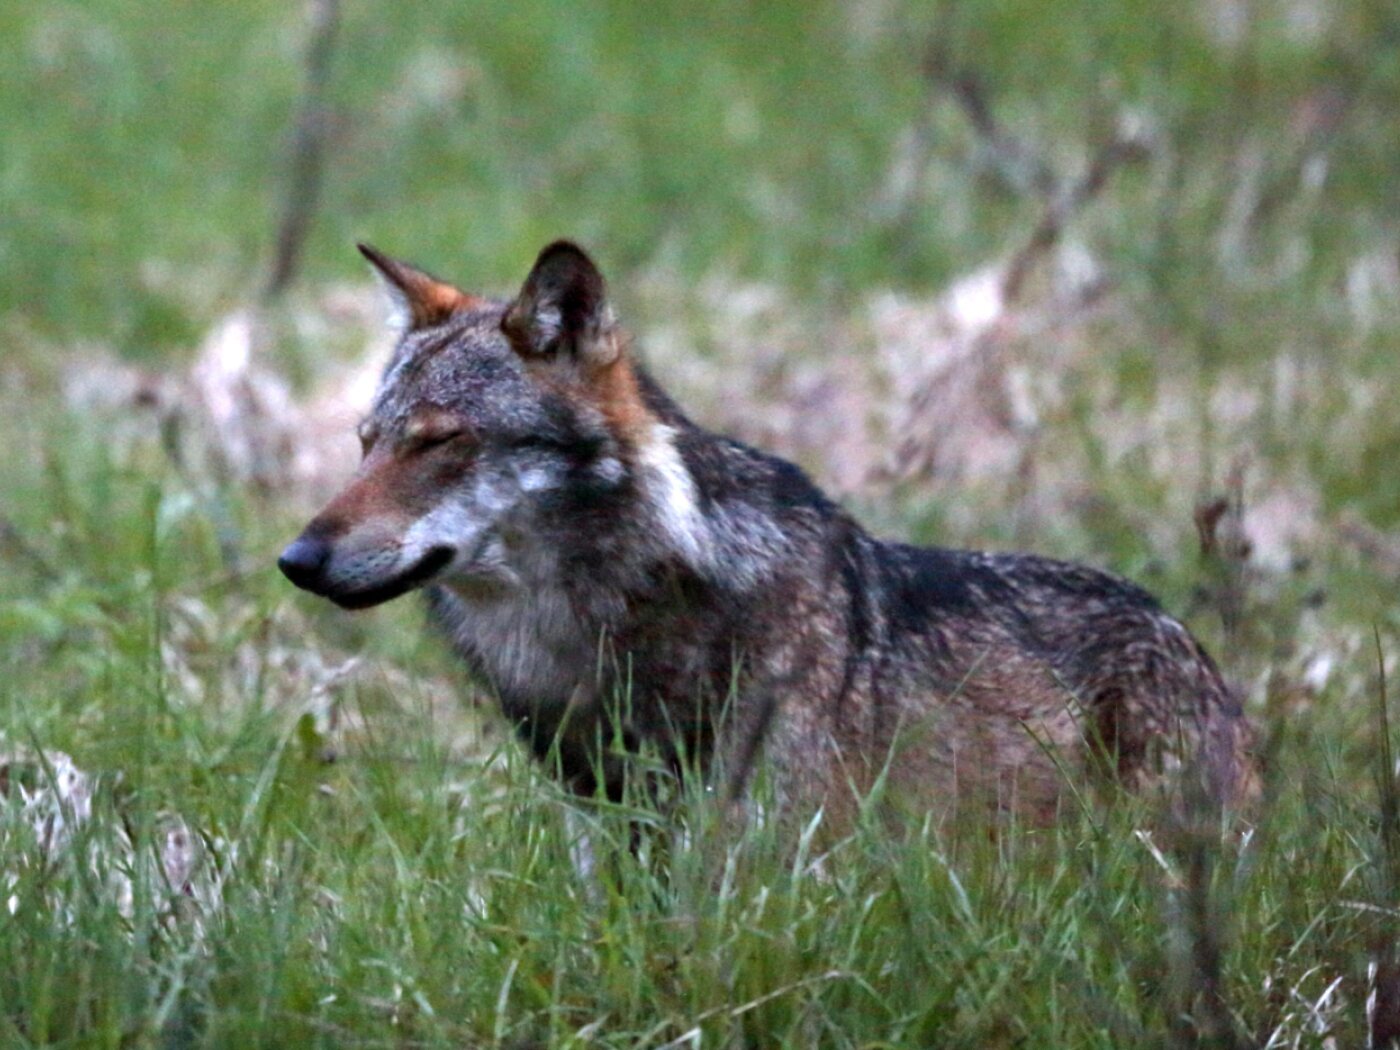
(672, 497)
(615, 572)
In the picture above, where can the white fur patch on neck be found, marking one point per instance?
(672, 494)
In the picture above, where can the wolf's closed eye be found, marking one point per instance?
(423, 442)
(433, 429)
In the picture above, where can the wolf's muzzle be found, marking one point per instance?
(429, 566)
(307, 563)
(304, 561)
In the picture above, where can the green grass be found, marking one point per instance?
(412, 894)
(418, 891)
(144, 148)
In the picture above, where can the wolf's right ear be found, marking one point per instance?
(419, 299)
(562, 312)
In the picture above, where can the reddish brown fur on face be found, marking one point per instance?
(381, 491)
(612, 388)
(619, 398)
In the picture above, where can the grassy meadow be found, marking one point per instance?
(1114, 282)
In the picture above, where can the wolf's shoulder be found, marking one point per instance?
(728, 472)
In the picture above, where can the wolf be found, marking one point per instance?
(622, 579)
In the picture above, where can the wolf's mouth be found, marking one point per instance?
(429, 566)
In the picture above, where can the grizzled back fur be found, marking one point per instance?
(580, 540)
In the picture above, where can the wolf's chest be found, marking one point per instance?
(527, 644)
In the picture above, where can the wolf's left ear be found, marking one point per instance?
(562, 312)
(420, 299)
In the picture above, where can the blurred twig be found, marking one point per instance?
(1199, 1004)
(1380, 549)
(1125, 146)
(1206, 1019)
(1383, 1004)
(1225, 551)
(1017, 167)
(1013, 161)
(307, 150)
(17, 547)
(1020, 168)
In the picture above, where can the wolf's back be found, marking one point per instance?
(1004, 673)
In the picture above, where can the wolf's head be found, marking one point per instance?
(497, 426)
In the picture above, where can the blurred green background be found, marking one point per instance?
(798, 205)
(144, 148)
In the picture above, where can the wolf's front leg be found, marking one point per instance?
(777, 761)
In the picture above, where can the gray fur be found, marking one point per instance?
(615, 572)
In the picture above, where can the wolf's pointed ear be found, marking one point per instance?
(420, 299)
(562, 312)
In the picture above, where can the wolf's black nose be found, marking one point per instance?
(303, 561)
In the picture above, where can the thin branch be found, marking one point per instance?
(1062, 207)
(1020, 167)
(307, 150)
(1014, 162)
